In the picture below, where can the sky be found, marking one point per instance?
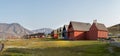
(36, 14)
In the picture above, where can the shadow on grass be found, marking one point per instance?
(85, 50)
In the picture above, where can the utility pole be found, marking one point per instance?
(118, 35)
(119, 28)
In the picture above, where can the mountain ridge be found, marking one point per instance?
(12, 30)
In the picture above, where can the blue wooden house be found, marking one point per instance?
(65, 33)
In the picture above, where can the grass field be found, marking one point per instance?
(38, 47)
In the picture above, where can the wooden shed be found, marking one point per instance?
(78, 30)
(97, 31)
(65, 33)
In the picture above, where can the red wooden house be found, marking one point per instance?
(54, 34)
(97, 30)
(78, 30)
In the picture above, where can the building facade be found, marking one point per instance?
(54, 34)
(65, 32)
(78, 30)
(98, 31)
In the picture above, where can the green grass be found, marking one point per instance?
(34, 47)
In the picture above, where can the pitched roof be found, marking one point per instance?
(101, 26)
(60, 29)
(54, 31)
(80, 26)
(66, 27)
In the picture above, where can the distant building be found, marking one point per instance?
(60, 33)
(54, 34)
(36, 35)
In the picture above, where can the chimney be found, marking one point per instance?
(95, 21)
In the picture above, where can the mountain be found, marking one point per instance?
(43, 30)
(115, 29)
(13, 30)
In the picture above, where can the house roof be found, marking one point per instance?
(36, 34)
(66, 27)
(80, 26)
(101, 26)
(54, 31)
(60, 29)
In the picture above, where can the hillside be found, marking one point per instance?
(12, 30)
(115, 29)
